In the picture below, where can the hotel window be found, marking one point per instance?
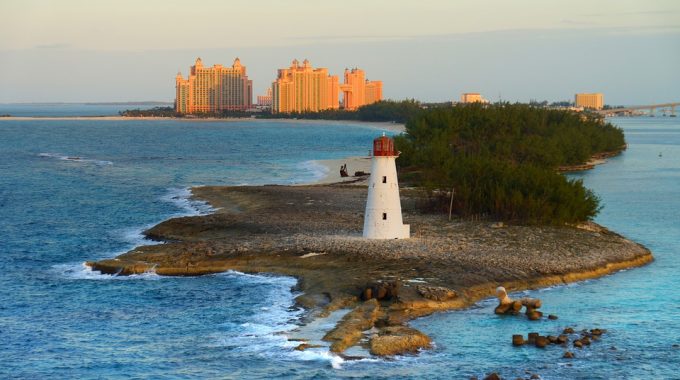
(384, 216)
(384, 179)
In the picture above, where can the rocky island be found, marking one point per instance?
(314, 234)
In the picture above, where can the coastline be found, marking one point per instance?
(388, 126)
(332, 170)
(268, 229)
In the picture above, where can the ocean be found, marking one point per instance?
(78, 190)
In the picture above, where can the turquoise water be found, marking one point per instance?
(72, 191)
(67, 109)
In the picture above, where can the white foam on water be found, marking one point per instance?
(76, 159)
(80, 271)
(182, 199)
(266, 335)
(317, 171)
(135, 237)
(320, 354)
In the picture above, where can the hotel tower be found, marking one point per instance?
(357, 91)
(302, 88)
(213, 89)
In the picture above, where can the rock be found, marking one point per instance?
(561, 339)
(398, 340)
(381, 292)
(305, 346)
(534, 315)
(517, 340)
(541, 341)
(552, 339)
(552, 317)
(568, 355)
(596, 332)
(532, 337)
(578, 344)
(492, 376)
(531, 303)
(568, 330)
(586, 341)
(351, 327)
(436, 293)
(535, 376)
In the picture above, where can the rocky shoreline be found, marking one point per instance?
(314, 234)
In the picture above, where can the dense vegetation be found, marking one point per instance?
(501, 160)
(151, 112)
(385, 110)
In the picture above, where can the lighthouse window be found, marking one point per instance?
(384, 179)
(384, 216)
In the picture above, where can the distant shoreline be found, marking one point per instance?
(390, 126)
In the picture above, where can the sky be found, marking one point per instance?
(430, 50)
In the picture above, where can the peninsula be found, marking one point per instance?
(314, 234)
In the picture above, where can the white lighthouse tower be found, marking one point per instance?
(382, 219)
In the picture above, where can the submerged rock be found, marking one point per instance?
(492, 376)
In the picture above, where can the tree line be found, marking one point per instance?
(500, 160)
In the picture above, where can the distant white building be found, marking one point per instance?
(382, 219)
(472, 97)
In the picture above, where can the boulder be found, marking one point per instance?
(304, 346)
(552, 317)
(568, 330)
(381, 290)
(568, 355)
(552, 339)
(578, 344)
(532, 337)
(492, 376)
(541, 341)
(561, 339)
(517, 340)
(534, 315)
(398, 340)
(596, 332)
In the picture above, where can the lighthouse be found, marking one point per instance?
(382, 219)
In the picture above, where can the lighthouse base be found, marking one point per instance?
(393, 232)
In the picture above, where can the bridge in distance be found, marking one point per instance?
(651, 108)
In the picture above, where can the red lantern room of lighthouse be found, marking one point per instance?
(383, 146)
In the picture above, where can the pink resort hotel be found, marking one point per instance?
(298, 88)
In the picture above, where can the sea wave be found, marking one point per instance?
(313, 169)
(80, 271)
(182, 199)
(77, 159)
